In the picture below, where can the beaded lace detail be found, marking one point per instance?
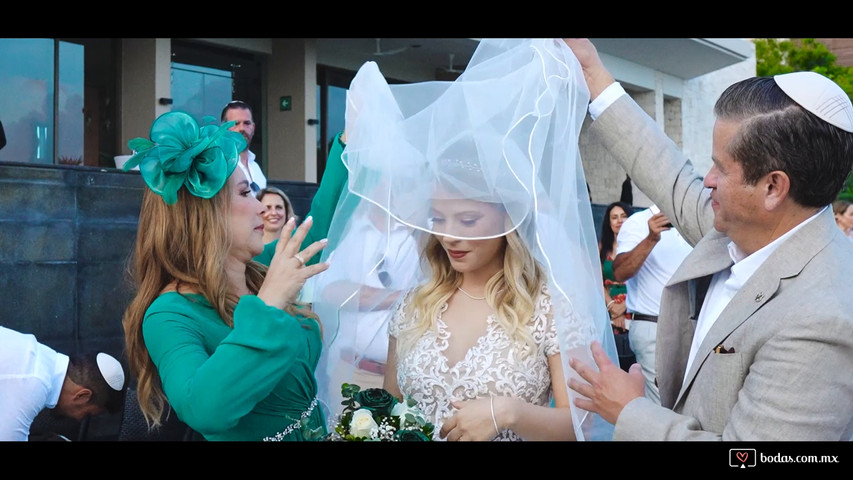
(490, 367)
(293, 426)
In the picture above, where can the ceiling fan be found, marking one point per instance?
(451, 68)
(449, 73)
(379, 52)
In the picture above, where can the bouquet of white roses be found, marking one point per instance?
(375, 415)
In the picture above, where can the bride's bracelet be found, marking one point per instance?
(494, 421)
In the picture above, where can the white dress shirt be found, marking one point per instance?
(31, 378)
(646, 286)
(254, 172)
(400, 266)
(725, 284)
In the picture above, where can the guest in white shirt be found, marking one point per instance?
(242, 114)
(648, 252)
(33, 377)
(389, 252)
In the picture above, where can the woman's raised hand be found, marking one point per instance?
(287, 272)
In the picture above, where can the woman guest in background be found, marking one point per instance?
(278, 211)
(485, 171)
(614, 291)
(843, 210)
(213, 333)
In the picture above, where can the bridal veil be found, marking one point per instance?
(505, 131)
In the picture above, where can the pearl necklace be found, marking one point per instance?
(472, 297)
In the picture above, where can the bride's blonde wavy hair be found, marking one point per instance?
(512, 292)
(187, 243)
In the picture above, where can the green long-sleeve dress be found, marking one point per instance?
(253, 381)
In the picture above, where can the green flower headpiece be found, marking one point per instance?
(181, 152)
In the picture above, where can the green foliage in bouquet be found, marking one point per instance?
(375, 415)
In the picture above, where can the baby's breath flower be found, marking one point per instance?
(376, 415)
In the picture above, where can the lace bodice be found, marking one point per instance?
(490, 367)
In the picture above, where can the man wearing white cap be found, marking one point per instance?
(33, 377)
(751, 343)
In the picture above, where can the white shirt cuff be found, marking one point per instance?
(605, 99)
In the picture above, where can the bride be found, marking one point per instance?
(485, 174)
(476, 345)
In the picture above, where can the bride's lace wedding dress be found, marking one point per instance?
(490, 367)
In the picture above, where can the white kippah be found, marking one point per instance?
(111, 370)
(819, 95)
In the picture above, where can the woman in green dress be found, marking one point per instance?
(615, 291)
(213, 332)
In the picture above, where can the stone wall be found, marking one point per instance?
(66, 234)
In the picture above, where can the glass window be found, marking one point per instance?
(56, 104)
(26, 99)
(336, 114)
(206, 77)
(200, 91)
(69, 124)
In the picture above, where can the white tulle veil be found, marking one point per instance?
(506, 132)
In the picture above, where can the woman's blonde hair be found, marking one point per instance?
(186, 243)
(512, 292)
(288, 207)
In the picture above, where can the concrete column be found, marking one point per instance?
(291, 144)
(144, 78)
(659, 116)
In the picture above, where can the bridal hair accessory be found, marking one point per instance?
(819, 95)
(111, 371)
(182, 153)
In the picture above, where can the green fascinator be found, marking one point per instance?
(181, 152)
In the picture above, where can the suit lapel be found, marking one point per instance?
(787, 261)
(708, 257)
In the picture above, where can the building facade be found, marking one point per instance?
(69, 106)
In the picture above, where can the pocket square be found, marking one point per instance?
(721, 349)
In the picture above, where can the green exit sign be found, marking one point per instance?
(285, 103)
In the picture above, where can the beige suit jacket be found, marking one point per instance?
(790, 325)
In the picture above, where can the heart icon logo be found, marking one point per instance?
(742, 456)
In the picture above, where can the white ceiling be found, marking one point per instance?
(418, 59)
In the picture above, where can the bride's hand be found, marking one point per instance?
(287, 272)
(472, 421)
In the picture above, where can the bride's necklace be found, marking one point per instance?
(472, 297)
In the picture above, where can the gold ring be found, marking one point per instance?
(299, 259)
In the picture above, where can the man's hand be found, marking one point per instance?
(597, 77)
(608, 390)
(658, 223)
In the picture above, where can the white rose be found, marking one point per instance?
(403, 408)
(400, 409)
(363, 424)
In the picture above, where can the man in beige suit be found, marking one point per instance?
(755, 333)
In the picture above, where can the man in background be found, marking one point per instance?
(647, 253)
(242, 114)
(33, 377)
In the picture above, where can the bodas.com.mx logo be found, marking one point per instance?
(742, 457)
